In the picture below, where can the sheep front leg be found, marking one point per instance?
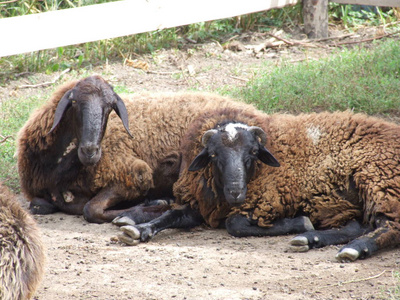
(241, 226)
(183, 217)
(322, 238)
(385, 236)
(144, 212)
(130, 183)
(96, 210)
(40, 206)
(68, 202)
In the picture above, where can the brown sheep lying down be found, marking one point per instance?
(21, 250)
(339, 173)
(77, 156)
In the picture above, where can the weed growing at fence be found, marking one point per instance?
(13, 8)
(356, 15)
(361, 80)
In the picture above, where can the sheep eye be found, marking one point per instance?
(73, 101)
(254, 152)
(213, 155)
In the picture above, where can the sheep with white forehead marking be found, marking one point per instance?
(339, 173)
(21, 251)
(75, 155)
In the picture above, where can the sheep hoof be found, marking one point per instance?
(130, 235)
(299, 241)
(347, 255)
(132, 231)
(122, 221)
(123, 238)
(299, 244)
(39, 206)
(159, 202)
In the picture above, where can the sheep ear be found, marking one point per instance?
(259, 133)
(62, 107)
(121, 111)
(266, 157)
(200, 161)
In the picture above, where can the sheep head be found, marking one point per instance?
(232, 151)
(89, 105)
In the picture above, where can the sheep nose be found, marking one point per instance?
(90, 150)
(234, 193)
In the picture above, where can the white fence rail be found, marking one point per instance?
(102, 21)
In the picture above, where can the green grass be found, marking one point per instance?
(362, 80)
(26, 7)
(13, 114)
(394, 292)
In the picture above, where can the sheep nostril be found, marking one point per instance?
(90, 151)
(235, 194)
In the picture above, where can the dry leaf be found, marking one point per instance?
(137, 64)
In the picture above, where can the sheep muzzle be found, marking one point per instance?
(235, 193)
(89, 154)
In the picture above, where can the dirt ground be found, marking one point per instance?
(84, 261)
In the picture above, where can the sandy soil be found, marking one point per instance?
(85, 261)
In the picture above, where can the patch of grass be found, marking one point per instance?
(25, 7)
(394, 292)
(362, 15)
(361, 79)
(13, 115)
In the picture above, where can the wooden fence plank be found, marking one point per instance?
(389, 3)
(102, 21)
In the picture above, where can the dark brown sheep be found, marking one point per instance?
(21, 251)
(339, 173)
(75, 155)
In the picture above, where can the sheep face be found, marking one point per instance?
(89, 104)
(232, 151)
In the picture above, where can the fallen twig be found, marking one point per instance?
(365, 40)
(282, 39)
(238, 78)
(45, 83)
(307, 43)
(333, 37)
(5, 138)
(355, 280)
(11, 1)
(163, 73)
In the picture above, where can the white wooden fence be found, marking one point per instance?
(109, 20)
(102, 21)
